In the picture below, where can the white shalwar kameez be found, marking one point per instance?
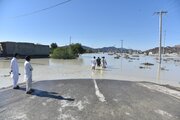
(104, 63)
(28, 75)
(93, 63)
(14, 71)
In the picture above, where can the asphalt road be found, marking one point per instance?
(88, 99)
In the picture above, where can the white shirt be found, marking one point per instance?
(104, 63)
(93, 62)
(27, 70)
(14, 66)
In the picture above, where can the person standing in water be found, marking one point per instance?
(98, 60)
(14, 71)
(104, 63)
(93, 63)
(28, 74)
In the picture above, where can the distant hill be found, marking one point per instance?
(177, 46)
(168, 49)
(89, 49)
(110, 49)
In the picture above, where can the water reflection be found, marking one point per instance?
(98, 73)
(55, 62)
(121, 65)
(159, 73)
(43, 61)
(4, 64)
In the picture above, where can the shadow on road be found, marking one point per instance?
(42, 93)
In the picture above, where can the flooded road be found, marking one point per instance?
(117, 69)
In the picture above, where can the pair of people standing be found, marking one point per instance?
(27, 73)
(98, 62)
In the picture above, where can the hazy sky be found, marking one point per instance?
(94, 23)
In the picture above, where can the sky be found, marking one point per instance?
(93, 23)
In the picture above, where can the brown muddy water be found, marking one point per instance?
(130, 69)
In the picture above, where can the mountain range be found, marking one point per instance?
(168, 49)
(110, 49)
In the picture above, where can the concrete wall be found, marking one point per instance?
(9, 48)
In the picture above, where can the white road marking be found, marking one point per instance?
(127, 113)
(163, 113)
(98, 93)
(44, 104)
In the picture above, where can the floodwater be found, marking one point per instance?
(117, 69)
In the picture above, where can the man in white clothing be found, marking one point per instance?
(14, 71)
(104, 63)
(28, 75)
(93, 63)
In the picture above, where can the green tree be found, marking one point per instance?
(63, 53)
(53, 46)
(77, 48)
(68, 52)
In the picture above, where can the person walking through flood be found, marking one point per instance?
(104, 63)
(93, 63)
(28, 74)
(14, 71)
(98, 60)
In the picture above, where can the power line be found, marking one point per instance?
(41, 10)
(173, 5)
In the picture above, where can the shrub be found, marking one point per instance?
(68, 52)
(63, 53)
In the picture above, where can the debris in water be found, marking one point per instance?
(148, 64)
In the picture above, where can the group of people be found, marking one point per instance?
(98, 62)
(27, 73)
(28, 70)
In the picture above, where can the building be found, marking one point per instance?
(8, 49)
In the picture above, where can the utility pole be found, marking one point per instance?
(121, 46)
(70, 43)
(70, 40)
(161, 13)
